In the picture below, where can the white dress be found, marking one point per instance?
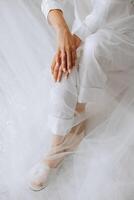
(102, 167)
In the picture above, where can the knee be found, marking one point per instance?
(66, 90)
(91, 47)
(62, 102)
(62, 107)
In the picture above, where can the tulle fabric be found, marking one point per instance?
(98, 163)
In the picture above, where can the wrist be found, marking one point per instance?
(62, 29)
(77, 37)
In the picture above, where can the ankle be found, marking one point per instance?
(57, 140)
(52, 163)
(80, 108)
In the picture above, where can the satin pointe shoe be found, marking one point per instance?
(40, 174)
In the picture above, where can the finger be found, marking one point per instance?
(58, 59)
(55, 73)
(57, 65)
(60, 73)
(53, 64)
(63, 61)
(69, 60)
(74, 56)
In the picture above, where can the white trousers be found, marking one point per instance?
(101, 62)
(63, 100)
(84, 82)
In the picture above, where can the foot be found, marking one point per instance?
(40, 175)
(38, 178)
(41, 172)
(61, 147)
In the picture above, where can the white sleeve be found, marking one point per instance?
(48, 5)
(93, 21)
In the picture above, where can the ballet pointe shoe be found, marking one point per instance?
(40, 175)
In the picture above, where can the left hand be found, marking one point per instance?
(57, 68)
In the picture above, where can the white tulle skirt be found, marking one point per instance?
(102, 165)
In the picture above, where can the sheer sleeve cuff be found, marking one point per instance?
(82, 32)
(93, 21)
(48, 5)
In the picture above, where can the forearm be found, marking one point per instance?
(67, 43)
(56, 19)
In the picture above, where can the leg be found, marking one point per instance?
(40, 175)
(58, 139)
(67, 95)
(63, 100)
(92, 75)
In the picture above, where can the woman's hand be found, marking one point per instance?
(66, 55)
(77, 41)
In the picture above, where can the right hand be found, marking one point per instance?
(65, 57)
